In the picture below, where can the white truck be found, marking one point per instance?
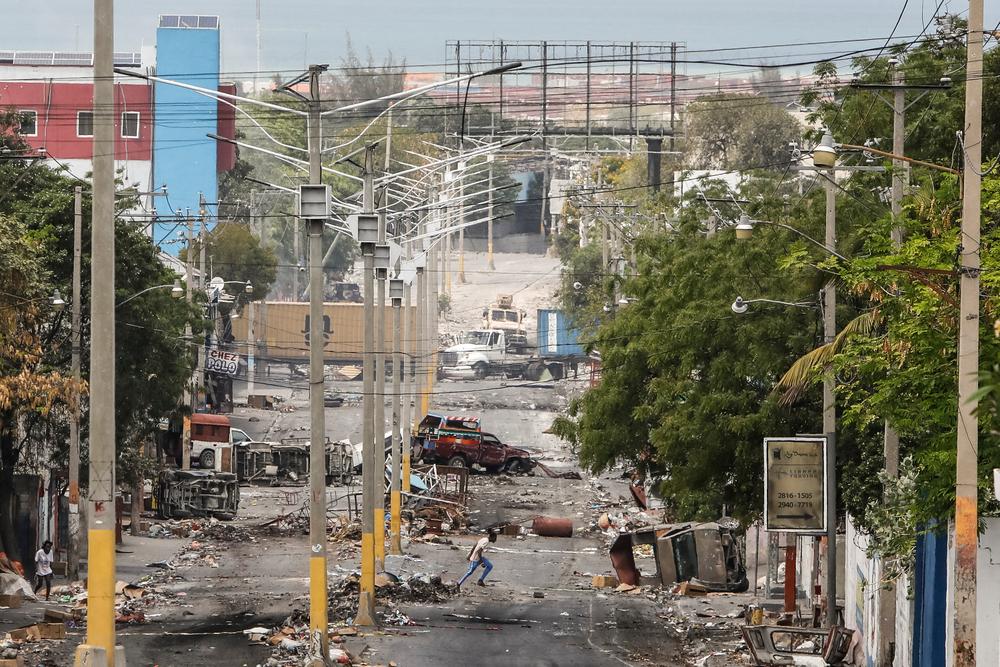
(483, 353)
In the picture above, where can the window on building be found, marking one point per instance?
(28, 122)
(84, 123)
(130, 124)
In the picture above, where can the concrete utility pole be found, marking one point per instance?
(190, 392)
(489, 216)
(202, 242)
(381, 275)
(251, 350)
(461, 224)
(966, 510)
(830, 410)
(887, 592)
(318, 618)
(73, 557)
(409, 334)
(395, 498)
(366, 600)
(100, 648)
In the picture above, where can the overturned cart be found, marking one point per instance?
(184, 493)
(704, 553)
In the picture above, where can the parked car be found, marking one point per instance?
(460, 441)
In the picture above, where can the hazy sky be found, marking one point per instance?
(299, 31)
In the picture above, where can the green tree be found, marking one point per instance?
(153, 360)
(728, 131)
(235, 254)
(685, 388)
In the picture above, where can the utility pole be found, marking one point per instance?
(381, 275)
(673, 94)
(202, 239)
(830, 410)
(251, 350)
(966, 510)
(461, 222)
(73, 557)
(191, 392)
(366, 600)
(887, 591)
(395, 498)
(100, 644)
(318, 618)
(257, 71)
(489, 216)
(409, 334)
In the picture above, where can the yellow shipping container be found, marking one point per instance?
(281, 329)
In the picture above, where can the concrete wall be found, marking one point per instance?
(184, 158)
(987, 596)
(861, 591)
(533, 244)
(862, 599)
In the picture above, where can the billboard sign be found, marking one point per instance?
(795, 485)
(226, 363)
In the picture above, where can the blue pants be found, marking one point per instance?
(487, 567)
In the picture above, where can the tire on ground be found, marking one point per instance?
(457, 462)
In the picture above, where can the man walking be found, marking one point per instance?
(477, 557)
(43, 568)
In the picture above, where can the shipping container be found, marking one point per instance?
(557, 337)
(281, 329)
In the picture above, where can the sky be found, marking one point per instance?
(298, 32)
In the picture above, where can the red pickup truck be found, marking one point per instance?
(460, 441)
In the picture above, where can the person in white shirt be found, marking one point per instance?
(43, 568)
(477, 557)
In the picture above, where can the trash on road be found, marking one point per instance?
(545, 526)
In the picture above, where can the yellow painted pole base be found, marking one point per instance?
(379, 538)
(366, 598)
(101, 590)
(88, 655)
(318, 620)
(395, 523)
(405, 482)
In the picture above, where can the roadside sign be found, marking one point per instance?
(795, 485)
(227, 363)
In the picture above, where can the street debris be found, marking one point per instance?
(711, 555)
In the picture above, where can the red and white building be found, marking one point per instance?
(54, 93)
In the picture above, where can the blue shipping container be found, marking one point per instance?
(556, 335)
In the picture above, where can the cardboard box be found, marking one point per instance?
(604, 581)
(52, 630)
(27, 634)
(14, 600)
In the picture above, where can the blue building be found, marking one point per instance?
(185, 159)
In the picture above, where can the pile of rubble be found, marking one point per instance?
(389, 591)
(200, 528)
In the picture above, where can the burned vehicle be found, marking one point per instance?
(707, 554)
(185, 493)
(808, 647)
(461, 442)
(287, 462)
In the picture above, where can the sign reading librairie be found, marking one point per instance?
(227, 363)
(795, 484)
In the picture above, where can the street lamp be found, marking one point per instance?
(176, 291)
(825, 153)
(741, 305)
(57, 302)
